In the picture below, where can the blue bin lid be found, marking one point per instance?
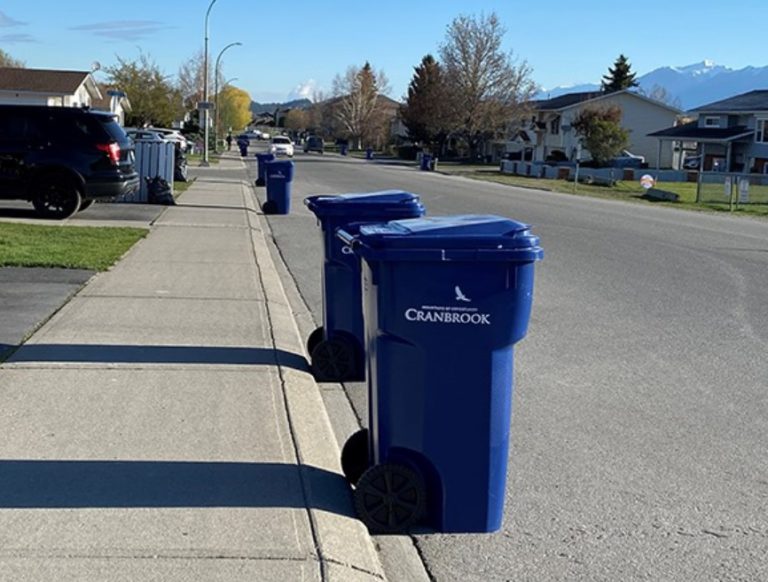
(442, 238)
(366, 204)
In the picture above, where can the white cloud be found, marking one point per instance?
(303, 90)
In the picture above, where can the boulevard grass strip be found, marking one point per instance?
(68, 247)
(623, 190)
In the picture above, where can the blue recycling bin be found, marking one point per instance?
(426, 162)
(445, 300)
(368, 153)
(337, 348)
(343, 149)
(279, 175)
(261, 160)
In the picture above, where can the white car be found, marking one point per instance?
(281, 146)
(144, 134)
(173, 135)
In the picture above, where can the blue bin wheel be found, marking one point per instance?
(260, 182)
(315, 338)
(354, 456)
(333, 361)
(269, 207)
(390, 498)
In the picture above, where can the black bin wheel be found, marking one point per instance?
(354, 456)
(315, 338)
(390, 498)
(269, 207)
(333, 360)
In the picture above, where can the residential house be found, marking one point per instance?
(731, 135)
(48, 87)
(113, 101)
(550, 135)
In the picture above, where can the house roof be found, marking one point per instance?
(572, 99)
(563, 101)
(45, 81)
(752, 101)
(692, 132)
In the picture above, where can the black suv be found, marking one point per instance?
(63, 158)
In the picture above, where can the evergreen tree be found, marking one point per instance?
(424, 112)
(619, 77)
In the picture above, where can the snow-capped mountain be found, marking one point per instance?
(693, 85)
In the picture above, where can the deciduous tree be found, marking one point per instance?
(234, 109)
(297, 119)
(154, 99)
(6, 60)
(487, 87)
(357, 107)
(601, 132)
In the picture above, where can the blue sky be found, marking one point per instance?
(291, 46)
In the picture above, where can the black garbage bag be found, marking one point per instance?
(159, 191)
(180, 165)
(180, 171)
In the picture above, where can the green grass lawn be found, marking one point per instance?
(623, 190)
(69, 247)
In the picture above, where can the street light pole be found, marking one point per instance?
(216, 93)
(205, 86)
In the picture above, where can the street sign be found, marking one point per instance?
(744, 190)
(203, 105)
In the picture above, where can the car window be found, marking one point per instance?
(280, 140)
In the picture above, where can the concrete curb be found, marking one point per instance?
(344, 546)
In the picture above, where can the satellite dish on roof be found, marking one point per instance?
(95, 66)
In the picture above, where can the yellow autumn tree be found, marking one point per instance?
(234, 109)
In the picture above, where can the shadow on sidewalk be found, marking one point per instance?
(126, 484)
(124, 354)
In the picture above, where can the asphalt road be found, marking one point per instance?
(641, 399)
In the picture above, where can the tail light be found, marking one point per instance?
(112, 150)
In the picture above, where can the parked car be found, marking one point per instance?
(281, 145)
(144, 134)
(692, 163)
(173, 135)
(61, 159)
(628, 160)
(314, 144)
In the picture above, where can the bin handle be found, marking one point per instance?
(345, 237)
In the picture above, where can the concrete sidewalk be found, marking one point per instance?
(163, 425)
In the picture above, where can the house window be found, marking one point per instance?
(711, 122)
(761, 131)
(554, 126)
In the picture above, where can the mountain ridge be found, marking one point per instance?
(693, 85)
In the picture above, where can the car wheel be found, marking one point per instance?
(85, 204)
(56, 198)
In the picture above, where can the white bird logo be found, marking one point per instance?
(460, 295)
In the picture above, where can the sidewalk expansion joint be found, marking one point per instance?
(177, 298)
(207, 226)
